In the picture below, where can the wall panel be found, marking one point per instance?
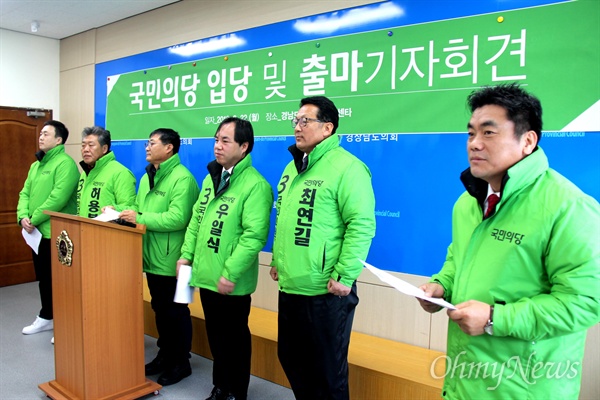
(77, 100)
(191, 20)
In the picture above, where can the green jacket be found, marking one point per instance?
(109, 183)
(165, 207)
(229, 229)
(325, 219)
(50, 186)
(538, 260)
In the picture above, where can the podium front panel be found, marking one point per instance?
(98, 309)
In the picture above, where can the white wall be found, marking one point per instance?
(29, 71)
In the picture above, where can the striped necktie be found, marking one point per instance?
(304, 163)
(224, 178)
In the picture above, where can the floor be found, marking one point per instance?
(28, 360)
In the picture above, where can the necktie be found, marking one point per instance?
(493, 199)
(223, 180)
(304, 163)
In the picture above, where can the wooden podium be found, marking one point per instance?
(98, 310)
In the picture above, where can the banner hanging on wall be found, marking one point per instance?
(411, 79)
(401, 93)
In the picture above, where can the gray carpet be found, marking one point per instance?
(28, 360)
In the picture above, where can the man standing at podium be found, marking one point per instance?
(164, 202)
(229, 227)
(50, 185)
(104, 181)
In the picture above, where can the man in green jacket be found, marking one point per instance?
(50, 186)
(524, 263)
(228, 229)
(104, 181)
(325, 224)
(164, 204)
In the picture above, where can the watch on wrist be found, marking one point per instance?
(489, 326)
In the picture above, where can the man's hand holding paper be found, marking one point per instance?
(412, 290)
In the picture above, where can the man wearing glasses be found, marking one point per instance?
(165, 199)
(325, 224)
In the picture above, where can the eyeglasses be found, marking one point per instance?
(149, 143)
(303, 121)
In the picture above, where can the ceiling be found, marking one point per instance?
(59, 19)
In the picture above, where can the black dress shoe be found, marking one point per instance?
(231, 396)
(216, 394)
(156, 366)
(175, 374)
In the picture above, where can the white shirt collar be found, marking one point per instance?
(491, 191)
(230, 170)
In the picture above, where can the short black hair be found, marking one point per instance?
(522, 108)
(328, 112)
(102, 134)
(243, 133)
(168, 136)
(59, 128)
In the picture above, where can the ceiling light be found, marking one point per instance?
(35, 26)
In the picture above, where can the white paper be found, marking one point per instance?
(109, 214)
(405, 287)
(32, 239)
(184, 293)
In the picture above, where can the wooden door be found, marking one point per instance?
(20, 137)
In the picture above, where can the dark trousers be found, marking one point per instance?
(173, 320)
(42, 264)
(314, 335)
(229, 340)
